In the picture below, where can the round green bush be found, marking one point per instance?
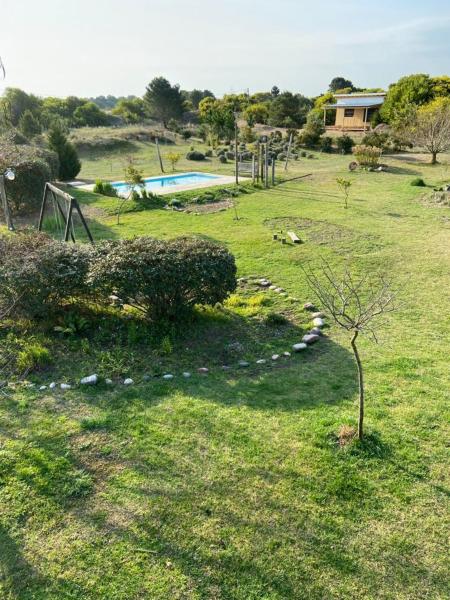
(208, 153)
(326, 144)
(195, 155)
(222, 158)
(164, 278)
(344, 144)
(418, 181)
(33, 167)
(41, 273)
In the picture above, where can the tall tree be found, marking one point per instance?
(218, 115)
(29, 125)
(69, 163)
(429, 128)
(164, 100)
(15, 102)
(409, 92)
(288, 110)
(275, 91)
(340, 83)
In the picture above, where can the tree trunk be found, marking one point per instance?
(433, 158)
(361, 386)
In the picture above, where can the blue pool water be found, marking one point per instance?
(155, 184)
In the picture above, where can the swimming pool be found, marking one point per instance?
(170, 182)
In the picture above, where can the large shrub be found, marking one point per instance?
(344, 144)
(33, 167)
(314, 128)
(379, 140)
(41, 273)
(164, 278)
(367, 156)
(195, 155)
(326, 144)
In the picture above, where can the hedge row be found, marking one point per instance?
(162, 278)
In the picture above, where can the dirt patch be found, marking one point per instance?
(338, 237)
(212, 207)
(437, 199)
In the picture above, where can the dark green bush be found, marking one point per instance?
(164, 278)
(377, 140)
(25, 192)
(326, 144)
(33, 167)
(209, 153)
(418, 181)
(222, 158)
(195, 155)
(344, 144)
(41, 272)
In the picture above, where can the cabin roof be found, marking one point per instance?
(358, 100)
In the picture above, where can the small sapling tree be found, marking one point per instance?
(133, 179)
(344, 186)
(357, 305)
(173, 158)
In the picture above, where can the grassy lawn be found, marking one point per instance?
(232, 485)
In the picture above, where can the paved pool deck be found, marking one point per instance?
(181, 187)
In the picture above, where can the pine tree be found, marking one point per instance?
(69, 163)
(29, 125)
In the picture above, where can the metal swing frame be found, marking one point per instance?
(56, 194)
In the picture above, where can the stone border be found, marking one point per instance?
(310, 338)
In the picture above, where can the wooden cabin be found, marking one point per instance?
(354, 111)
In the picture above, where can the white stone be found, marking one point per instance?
(261, 361)
(128, 381)
(186, 374)
(244, 363)
(318, 315)
(52, 385)
(310, 338)
(168, 376)
(308, 306)
(89, 380)
(286, 354)
(279, 290)
(299, 347)
(42, 388)
(264, 283)
(66, 386)
(272, 287)
(317, 322)
(108, 381)
(203, 370)
(275, 356)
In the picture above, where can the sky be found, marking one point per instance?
(100, 47)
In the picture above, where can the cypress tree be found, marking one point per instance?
(69, 163)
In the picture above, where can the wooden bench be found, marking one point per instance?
(294, 237)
